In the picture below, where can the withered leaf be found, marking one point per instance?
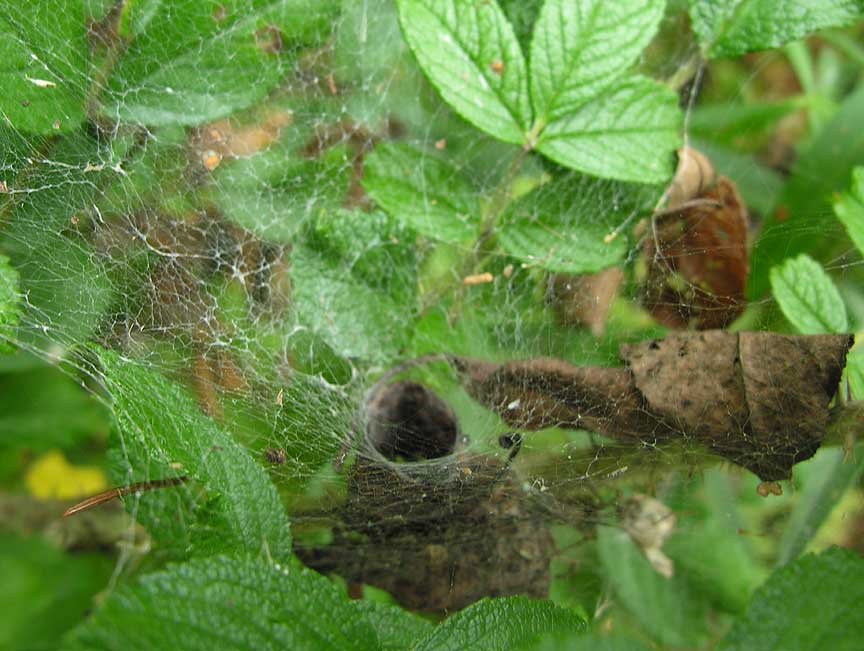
(585, 299)
(697, 261)
(759, 400)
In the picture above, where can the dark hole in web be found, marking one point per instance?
(408, 422)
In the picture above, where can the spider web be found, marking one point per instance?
(234, 251)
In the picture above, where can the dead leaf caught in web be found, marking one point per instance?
(759, 400)
(696, 251)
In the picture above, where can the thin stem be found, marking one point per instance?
(121, 491)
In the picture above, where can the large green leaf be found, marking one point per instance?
(628, 132)
(44, 65)
(849, 208)
(563, 226)
(237, 603)
(9, 309)
(423, 191)
(190, 62)
(159, 416)
(581, 47)
(733, 27)
(470, 53)
(808, 297)
(500, 624)
(812, 603)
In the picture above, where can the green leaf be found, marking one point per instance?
(628, 132)
(829, 474)
(45, 65)
(561, 226)
(812, 603)
(470, 54)
(395, 627)
(423, 191)
(9, 310)
(379, 250)
(273, 193)
(161, 417)
(808, 297)
(356, 320)
(232, 603)
(849, 208)
(190, 62)
(500, 624)
(581, 47)
(68, 287)
(734, 27)
(669, 609)
(804, 208)
(45, 591)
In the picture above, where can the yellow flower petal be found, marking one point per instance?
(52, 477)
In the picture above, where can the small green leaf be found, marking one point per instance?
(424, 192)
(561, 226)
(9, 308)
(231, 603)
(44, 65)
(189, 62)
(812, 603)
(387, 258)
(629, 132)
(581, 47)
(356, 320)
(669, 609)
(67, 285)
(734, 27)
(849, 208)
(163, 419)
(470, 54)
(808, 297)
(500, 624)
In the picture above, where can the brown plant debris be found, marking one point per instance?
(461, 529)
(759, 400)
(585, 299)
(696, 252)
